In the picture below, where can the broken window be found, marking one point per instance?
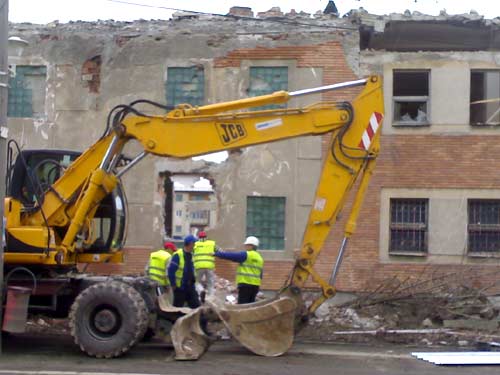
(27, 91)
(410, 90)
(266, 221)
(485, 97)
(185, 85)
(484, 225)
(266, 80)
(408, 228)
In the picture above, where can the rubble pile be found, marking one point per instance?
(47, 325)
(429, 310)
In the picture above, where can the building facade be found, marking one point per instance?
(432, 204)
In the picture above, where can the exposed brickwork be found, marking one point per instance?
(91, 73)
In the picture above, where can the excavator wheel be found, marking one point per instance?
(108, 318)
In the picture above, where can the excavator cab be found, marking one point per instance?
(33, 172)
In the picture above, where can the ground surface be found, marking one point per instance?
(56, 355)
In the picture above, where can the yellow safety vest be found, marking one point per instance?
(250, 271)
(180, 270)
(157, 269)
(203, 255)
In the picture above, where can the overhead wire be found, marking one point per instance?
(232, 16)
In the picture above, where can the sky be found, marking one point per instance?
(45, 11)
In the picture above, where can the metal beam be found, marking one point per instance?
(4, 81)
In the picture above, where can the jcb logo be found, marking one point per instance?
(231, 132)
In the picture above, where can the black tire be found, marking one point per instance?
(107, 319)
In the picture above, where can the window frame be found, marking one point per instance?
(172, 91)
(487, 228)
(255, 229)
(484, 98)
(251, 93)
(411, 99)
(409, 226)
(20, 111)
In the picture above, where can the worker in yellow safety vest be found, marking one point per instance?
(157, 268)
(250, 270)
(204, 265)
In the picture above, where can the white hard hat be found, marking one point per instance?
(252, 240)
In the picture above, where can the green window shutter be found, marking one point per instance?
(20, 102)
(266, 80)
(266, 220)
(185, 85)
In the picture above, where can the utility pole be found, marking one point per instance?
(4, 83)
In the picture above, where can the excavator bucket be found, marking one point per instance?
(188, 338)
(190, 342)
(265, 328)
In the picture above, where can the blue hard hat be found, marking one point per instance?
(189, 239)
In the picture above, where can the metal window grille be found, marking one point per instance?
(266, 80)
(408, 227)
(27, 91)
(185, 85)
(266, 220)
(484, 225)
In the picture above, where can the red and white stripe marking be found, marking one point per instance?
(371, 130)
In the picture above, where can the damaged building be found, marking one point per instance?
(434, 199)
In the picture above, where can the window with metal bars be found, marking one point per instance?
(266, 221)
(266, 80)
(185, 85)
(483, 225)
(27, 92)
(408, 226)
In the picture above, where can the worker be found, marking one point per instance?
(204, 265)
(157, 266)
(181, 275)
(250, 271)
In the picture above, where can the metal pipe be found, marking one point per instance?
(336, 86)
(133, 162)
(109, 153)
(338, 262)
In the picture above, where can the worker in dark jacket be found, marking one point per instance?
(182, 277)
(249, 272)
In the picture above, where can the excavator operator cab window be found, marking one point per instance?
(33, 173)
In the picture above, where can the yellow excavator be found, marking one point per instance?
(65, 208)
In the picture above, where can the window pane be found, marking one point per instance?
(266, 220)
(408, 227)
(410, 83)
(485, 85)
(266, 80)
(185, 85)
(410, 111)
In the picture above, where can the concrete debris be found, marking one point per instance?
(472, 324)
(427, 323)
